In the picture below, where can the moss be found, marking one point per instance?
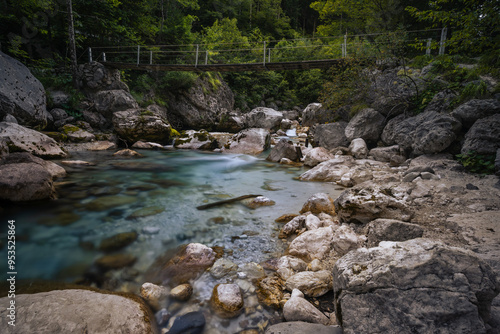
(147, 113)
(202, 135)
(67, 129)
(174, 133)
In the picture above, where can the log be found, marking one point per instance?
(231, 200)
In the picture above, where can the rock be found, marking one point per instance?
(270, 291)
(300, 327)
(94, 77)
(310, 283)
(356, 175)
(265, 118)
(314, 113)
(329, 171)
(189, 262)
(147, 145)
(283, 149)
(420, 284)
(289, 266)
(25, 182)
(293, 226)
(108, 102)
(231, 122)
(257, 202)
(58, 114)
(252, 270)
(483, 137)
(154, 295)
(102, 145)
(21, 94)
(314, 244)
(442, 101)
(367, 124)
(330, 135)
(140, 124)
(344, 240)
(316, 156)
(473, 110)
(312, 222)
(96, 120)
(319, 203)
(249, 141)
(369, 201)
(298, 308)
(127, 153)
(223, 267)
(196, 140)
(108, 202)
(358, 148)
(285, 124)
(4, 148)
(391, 230)
(497, 162)
(182, 292)
(118, 241)
(10, 119)
(78, 311)
(385, 154)
(227, 300)
(162, 317)
(54, 170)
(115, 261)
(77, 163)
(77, 135)
(192, 323)
(19, 138)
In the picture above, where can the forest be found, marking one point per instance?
(36, 33)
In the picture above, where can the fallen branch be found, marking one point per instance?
(231, 200)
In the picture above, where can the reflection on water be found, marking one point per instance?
(157, 196)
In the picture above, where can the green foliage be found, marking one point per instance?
(473, 90)
(420, 62)
(477, 163)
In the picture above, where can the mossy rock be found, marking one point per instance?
(108, 202)
(118, 241)
(145, 212)
(57, 136)
(67, 129)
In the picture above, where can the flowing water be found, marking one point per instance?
(157, 196)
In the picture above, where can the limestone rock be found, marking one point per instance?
(312, 222)
(367, 124)
(358, 148)
(54, 170)
(314, 244)
(417, 284)
(283, 149)
(182, 292)
(319, 203)
(227, 300)
(384, 154)
(27, 181)
(473, 110)
(21, 94)
(196, 140)
(257, 202)
(115, 261)
(77, 135)
(310, 283)
(265, 118)
(298, 308)
(316, 156)
(78, 311)
(270, 291)
(139, 124)
(289, 266)
(127, 153)
(329, 171)
(94, 76)
(483, 137)
(19, 138)
(110, 101)
(330, 136)
(345, 239)
(96, 120)
(249, 141)
(314, 113)
(223, 267)
(391, 230)
(292, 226)
(154, 295)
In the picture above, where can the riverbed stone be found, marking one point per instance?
(155, 295)
(118, 241)
(270, 291)
(316, 156)
(182, 292)
(227, 300)
(318, 203)
(108, 202)
(249, 141)
(223, 267)
(310, 283)
(146, 212)
(78, 311)
(283, 149)
(115, 261)
(192, 323)
(391, 230)
(127, 153)
(297, 308)
(419, 284)
(257, 202)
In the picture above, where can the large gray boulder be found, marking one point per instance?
(469, 112)
(416, 286)
(367, 124)
(21, 94)
(139, 124)
(249, 141)
(330, 135)
(283, 149)
(77, 311)
(108, 102)
(484, 136)
(391, 230)
(316, 156)
(309, 117)
(94, 77)
(265, 118)
(329, 171)
(21, 139)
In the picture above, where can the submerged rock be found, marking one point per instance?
(115, 261)
(118, 241)
(108, 202)
(192, 322)
(156, 296)
(227, 300)
(182, 292)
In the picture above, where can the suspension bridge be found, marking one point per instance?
(286, 54)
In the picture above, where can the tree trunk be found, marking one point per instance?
(72, 44)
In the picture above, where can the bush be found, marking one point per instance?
(477, 163)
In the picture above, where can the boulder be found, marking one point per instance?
(329, 171)
(391, 230)
(196, 140)
(139, 124)
(248, 141)
(21, 94)
(330, 135)
(344, 240)
(314, 113)
(316, 156)
(314, 244)
(27, 181)
(223, 267)
(319, 203)
(77, 135)
(418, 285)
(108, 102)
(21, 139)
(58, 114)
(54, 170)
(118, 241)
(310, 283)
(367, 124)
(369, 201)
(127, 153)
(356, 175)
(297, 308)
(473, 110)
(283, 149)
(156, 296)
(385, 154)
(58, 98)
(483, 137)
(227, 300)
(265, 118)
(497, 161)
(358, 148)
(94, 77)
(289, 266)
(312, 222)
(442, 101)
(293, 226)
(96, 120)
(302, 327)
(4, 148)
(231, 122)
(78, 311)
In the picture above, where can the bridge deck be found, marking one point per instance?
(278, 66)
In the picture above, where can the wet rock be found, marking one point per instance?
(108, 202)
(227, 300)
(483, 137)
(77, 135)
(146, 212)
(115, 261)
(265, 118)
(270, 291)
(154, 295)
(21, 139)
(329, 171)
(358, 148)
(250, 141)
(252, 270)
(141, 124)
(127, 153)
(285, 218)
(314, 244)
(25, 182)
(257, 202)
(189, 262)
(182, 292)
(118, 241)
(310, 283)
(150, 230)
(391, 230)
(223, 267)
(78, 311)
(192, 322)
(399, 285)
(283, 149)
(316, 156)
(330, 136)
(367, 124)
(319, 203)
(297, 308)
(147, 145)
(301, 327)
(77, 163)
(289, 266)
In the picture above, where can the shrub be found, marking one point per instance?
(477, 163)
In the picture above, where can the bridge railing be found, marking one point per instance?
(279, 51)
